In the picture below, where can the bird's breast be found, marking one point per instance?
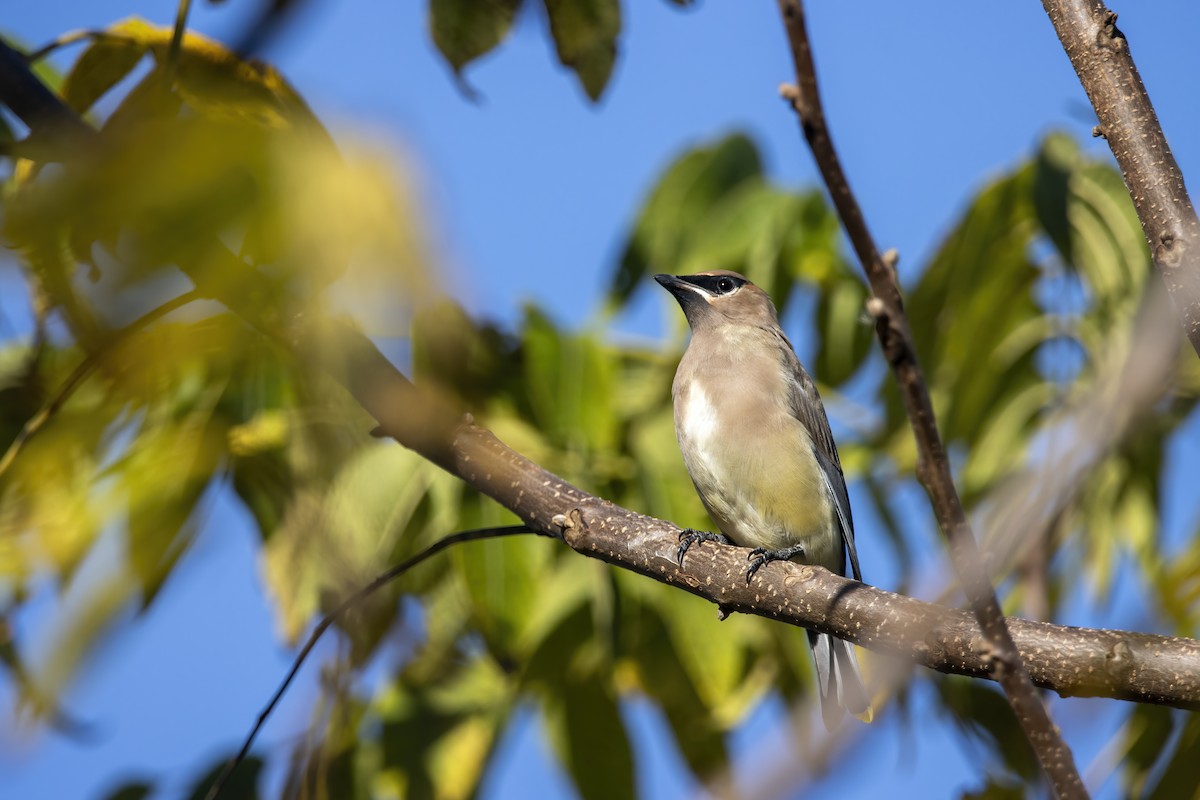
(753, 466)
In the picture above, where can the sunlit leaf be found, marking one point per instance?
(103, 65)
(332, 541)
(504, 578)
(676, 207)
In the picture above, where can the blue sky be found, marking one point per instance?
(530, 191)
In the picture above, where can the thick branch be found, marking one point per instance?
(1101, 57)
(933, 468)
(1079, 662)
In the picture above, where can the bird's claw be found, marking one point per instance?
(761, 556)
(688, 537)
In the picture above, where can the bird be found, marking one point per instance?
(756, 442)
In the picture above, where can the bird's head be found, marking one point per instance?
(720, 297)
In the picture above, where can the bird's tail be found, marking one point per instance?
(839, 682)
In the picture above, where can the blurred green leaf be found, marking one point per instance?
(846, 339)
(334, 540)
(663, 677)
(136, 790)
(464, 30)
(436, 739)
(677, 206)
(1054, 165)
(975, 292)
(504, 578)
(585, 35)
(585, 728)
(242, 784)
(997, 789)
(1180, 778)
(1147, 732)
(708, 648)
(104, 64)
(569, 379)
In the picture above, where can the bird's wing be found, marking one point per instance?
(806, 406)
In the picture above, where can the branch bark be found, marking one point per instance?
(933, 466)
(1101, 58)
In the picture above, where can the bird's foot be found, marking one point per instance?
(760, 556)
(688, 537)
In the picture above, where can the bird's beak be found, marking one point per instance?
(678, 286)
(691, 298)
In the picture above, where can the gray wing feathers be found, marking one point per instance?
(805, 406)
(835, 484)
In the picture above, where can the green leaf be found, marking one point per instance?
(585, 728)
(749, 230)
(1054, 164)
(438, 735)
(464, 30)
(846, 339)
(104, 64)
(473, 360)
(996, 789)
(242, 784)
(1181, 778)
(710, 650)
(585, 34)
(569, 379)
(961, 328)
(1147, 732)
(663, 677)
(677, 206)
(504, 579)
(334, 540)
(137, 790)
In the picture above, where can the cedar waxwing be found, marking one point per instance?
(756, 442)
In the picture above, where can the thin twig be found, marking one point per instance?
(69, 38)
(362, 594)
(81, 373)
(181, 18)
(933, 467)
(1100, 54)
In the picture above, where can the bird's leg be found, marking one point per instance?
(688, 537)
(761, 555)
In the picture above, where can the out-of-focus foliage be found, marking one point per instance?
(584, 33)
(212, 176)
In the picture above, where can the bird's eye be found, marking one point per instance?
(725, 285)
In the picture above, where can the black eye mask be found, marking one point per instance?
(715, 284)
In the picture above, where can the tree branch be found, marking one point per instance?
(933, 466)
(1100, 54)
